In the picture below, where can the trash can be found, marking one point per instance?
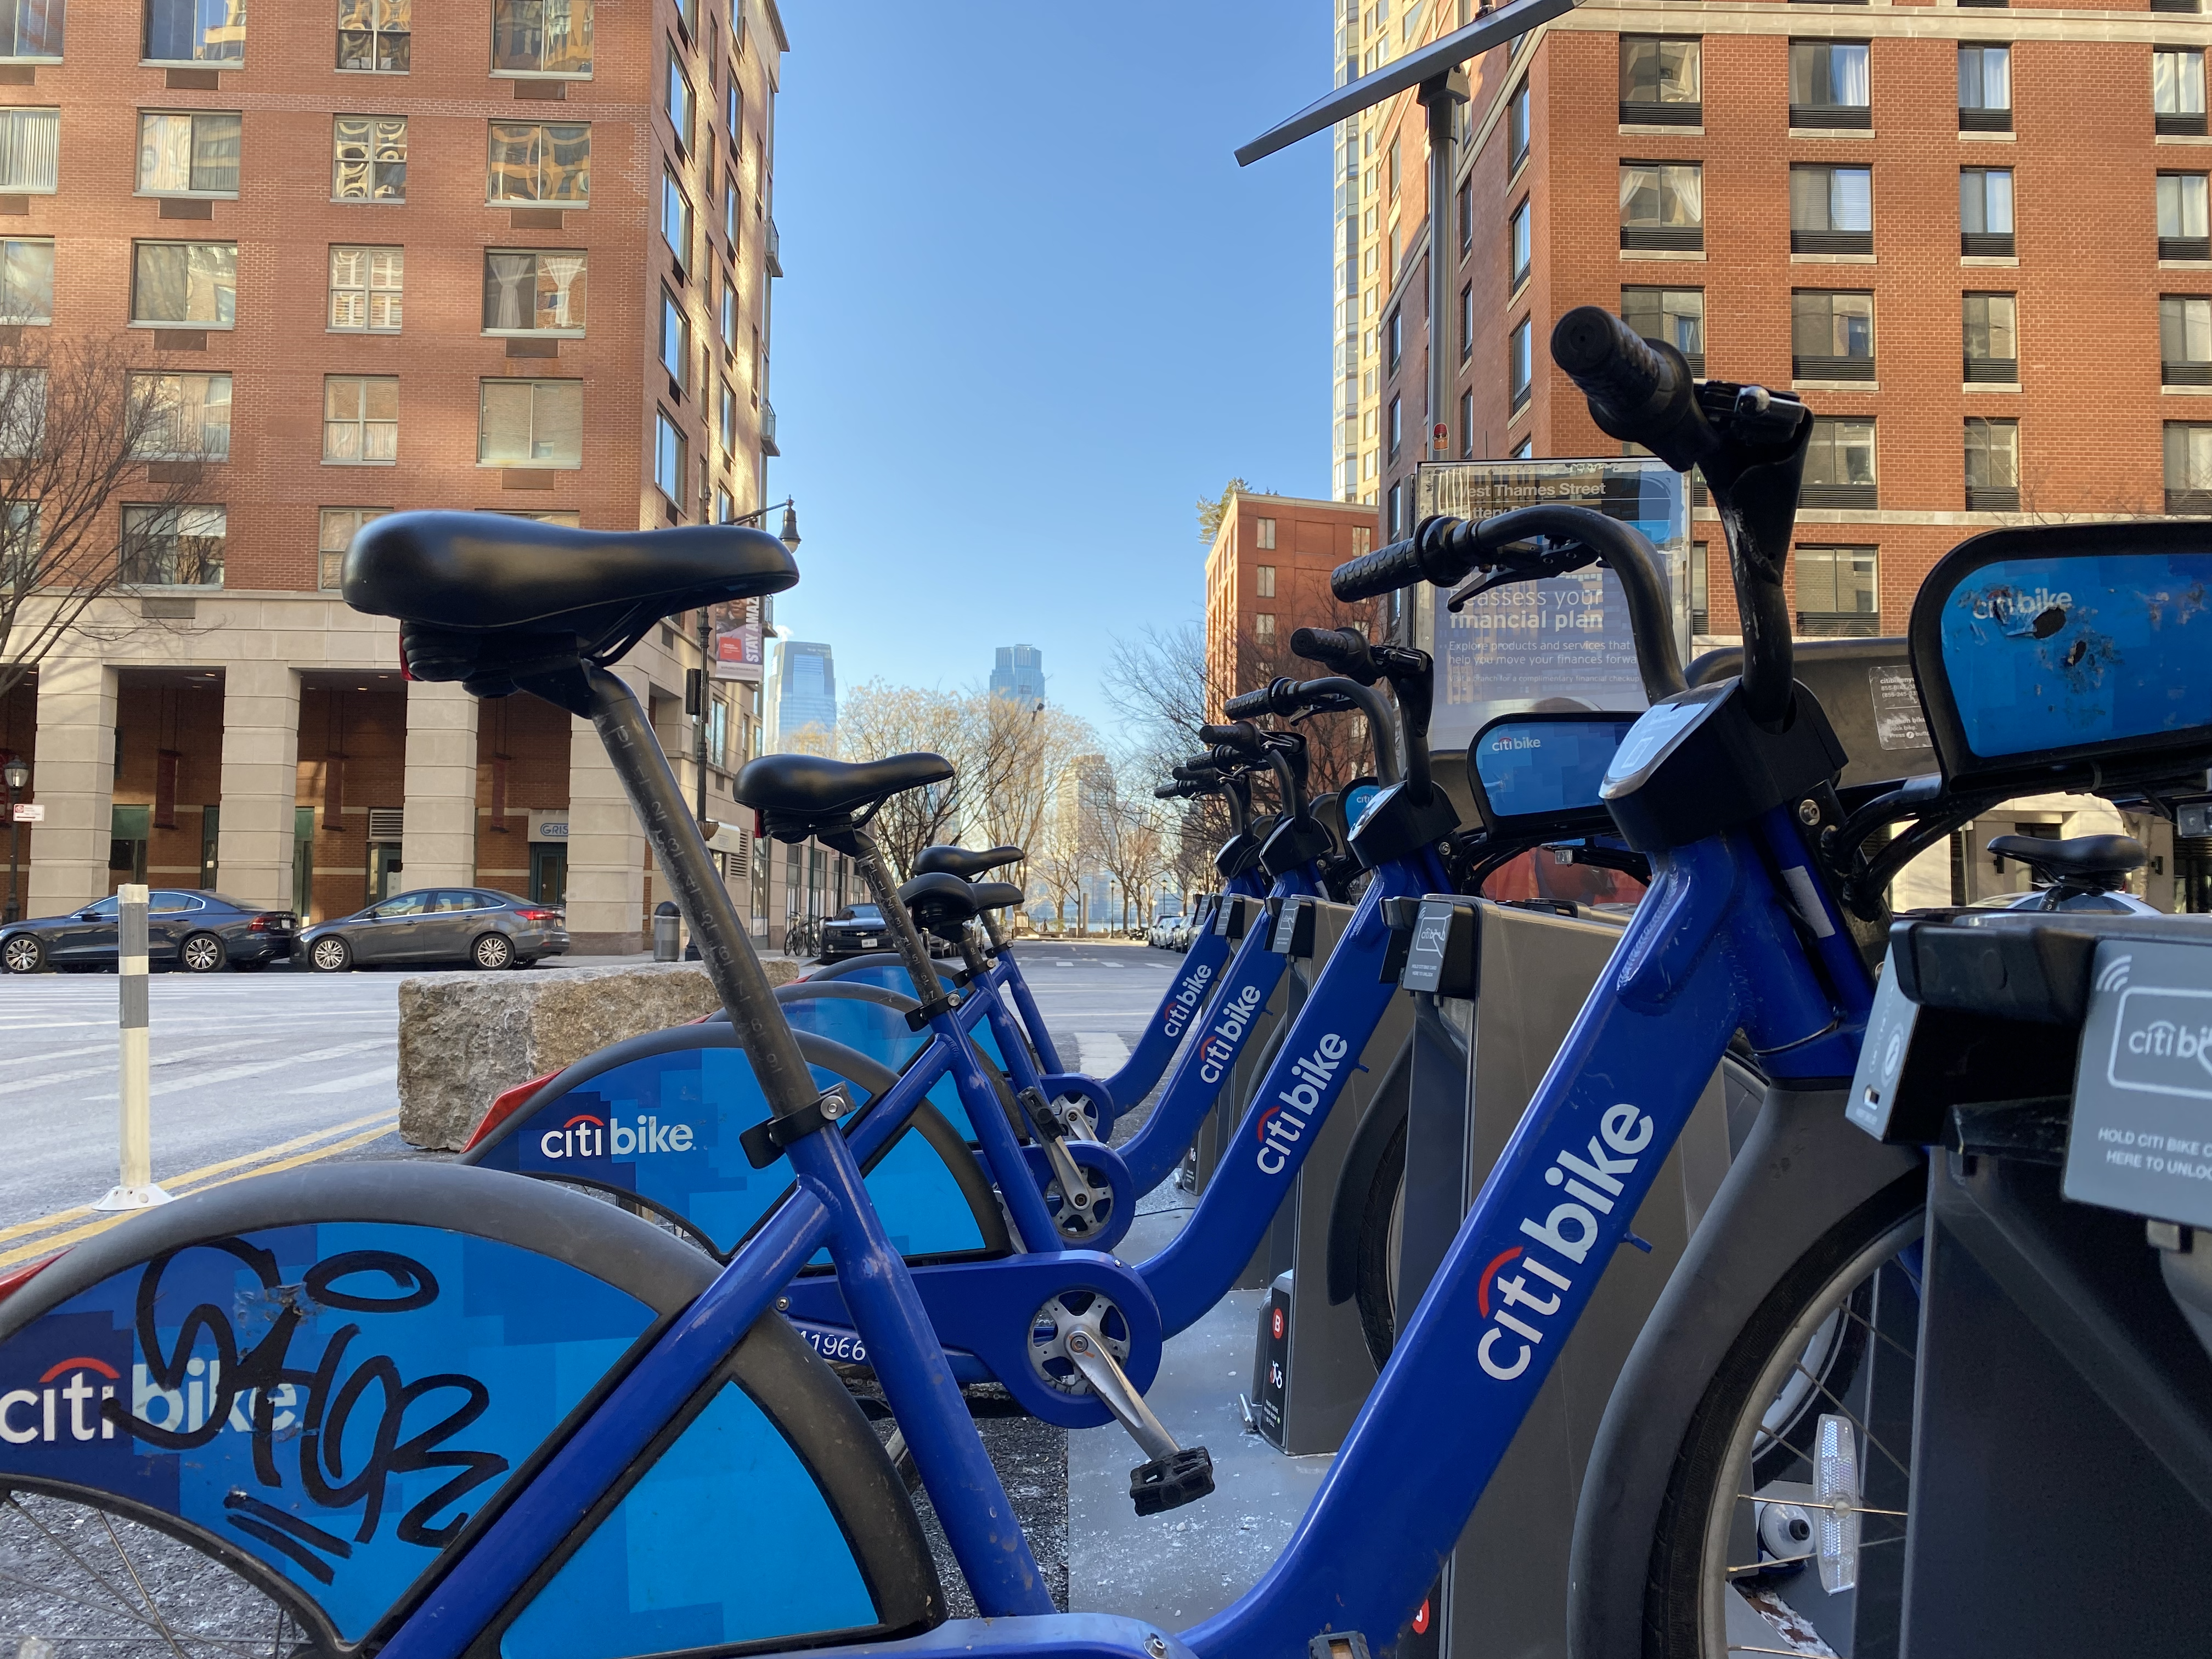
(667, 932)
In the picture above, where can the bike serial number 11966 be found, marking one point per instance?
(845, 1346)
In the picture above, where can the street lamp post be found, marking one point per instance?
(790, 539)
(18, 776)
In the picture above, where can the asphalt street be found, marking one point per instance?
(257, 1072)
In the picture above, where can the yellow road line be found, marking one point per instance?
(60, 1216)
(38, 1247)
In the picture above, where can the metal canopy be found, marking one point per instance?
(1438, 58)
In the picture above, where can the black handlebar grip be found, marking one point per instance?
(1609, 361)
(1241, 735)
(1248, 704)
(1340, 649)
(1385, 570)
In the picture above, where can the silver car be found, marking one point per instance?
(479, 926)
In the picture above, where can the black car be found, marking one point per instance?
(196, 931)
(481, 927)
(855, 928)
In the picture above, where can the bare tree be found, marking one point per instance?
(1134, 836)
(1015, 755)
(81, 435)
(878, 720)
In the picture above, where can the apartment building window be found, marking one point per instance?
(31, 31)
(2188, 466)
(1676, 315)
(1840, 468)
(535, 292)
(2175, 5)
(2185, 339)
(1392, 169)
(733, 112)
(1992, 465)
(173, 546)
(188, 155)
(1701, 615)
(728, 423)
(730, 212)
(1395, 331)
(365, 285)
(1838, 595)
(1984, 88)
(368, 158)
(184, 284)
(683, 106)
(334, 534)
(1828, 84)
(1520, 364)
(1831, 335)
(1467, 426)
(1516, 126)
(2182, 232)
(1391, 517)
(1266, 583)
(541, 37)
(669, 471)
(541, 161)
(1662, 83)
(687, 16)
(27, 281)
(2177, 91)
(1466, 204)
(1525, 449)
(729, 317)
(373, 35)
(1397, 427)
(360, 420)
(674, 218)
(1985, 211)
(530, 423)
(1662, 206)
(675, 340)
(1831, 210)
(1992, 339)
(194, 32)
(1519, 245)
(1263, 624)
(30, 151)
(183, 416)
(1465, 322)
(1266, 532)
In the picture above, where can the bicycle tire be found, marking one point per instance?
(1376, 1288)
(1687, 1583)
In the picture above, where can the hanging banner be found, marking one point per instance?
(737, 652)
(1562, 643)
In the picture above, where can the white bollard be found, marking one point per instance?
(135, 1189)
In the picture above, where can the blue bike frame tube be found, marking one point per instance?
(607, 1445)
(1318, 1056)
(1201, 1070)
(1023, 1198)
(1010, 974)
(1710, 948)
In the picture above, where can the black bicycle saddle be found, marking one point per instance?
(474, 574)
(996, 896)
(812, 789)
(2094, 863)
(942, 904)
(962, 862)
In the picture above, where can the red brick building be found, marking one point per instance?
(494, 256)
(1267, 577)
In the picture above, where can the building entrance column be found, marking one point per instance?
(76, 783)
(256, 833)
(438, 835)
(606, 848)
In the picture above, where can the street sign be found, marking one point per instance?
(30, 812)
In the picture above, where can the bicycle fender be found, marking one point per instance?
(1804, 1168)
(985, 1309)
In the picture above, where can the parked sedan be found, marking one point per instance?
(855, 928)
(477, 925)
(196, 931)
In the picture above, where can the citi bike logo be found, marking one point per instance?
(1594, 1183)
(1283, 1124)
(1226, 1035)
(588, 1136)
(66, 1404)
(1188, 996)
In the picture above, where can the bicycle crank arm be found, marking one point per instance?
(1174, 1476)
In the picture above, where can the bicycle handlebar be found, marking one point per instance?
(1341, 650)
(1241, 735)
(1638, 390)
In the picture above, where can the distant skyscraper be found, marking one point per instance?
(806, 709)
(1020, 673)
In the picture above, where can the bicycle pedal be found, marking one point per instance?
(1169, 1483)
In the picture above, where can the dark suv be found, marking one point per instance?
(479, 926)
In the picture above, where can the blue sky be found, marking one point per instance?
(1034, 309)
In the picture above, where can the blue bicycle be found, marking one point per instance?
(440, 1412)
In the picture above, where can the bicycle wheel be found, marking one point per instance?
(1382, 1241)
(90, 1581)
(1783, 1526)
